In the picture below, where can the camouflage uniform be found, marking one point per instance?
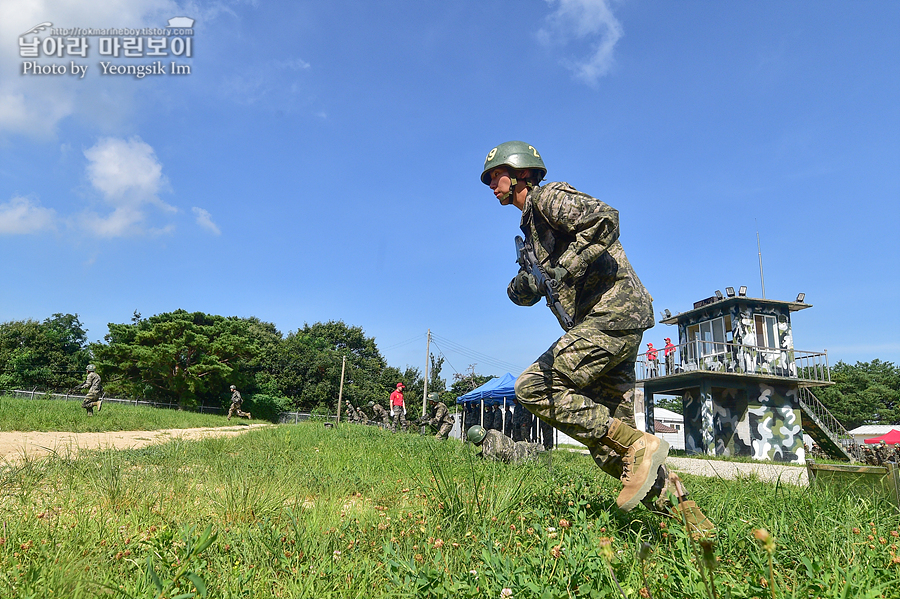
(498, 447)
(92, 397)
(869, 457)
(441, 419)
(379, 413)
(587, 376)
(880, 453)
(236, 402)
(521, 422)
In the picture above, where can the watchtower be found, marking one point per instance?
(745, 389)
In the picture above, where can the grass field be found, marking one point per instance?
(306, 511)
(18, 414)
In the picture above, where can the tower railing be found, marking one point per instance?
(736, 358)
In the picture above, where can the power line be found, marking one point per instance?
(476, 355)
(402, 343)
(444, 355)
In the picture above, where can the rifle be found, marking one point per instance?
(547, 285)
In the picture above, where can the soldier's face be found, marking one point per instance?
(501, 185)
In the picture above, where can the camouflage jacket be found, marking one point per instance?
(571, 229)
(236, 397)
(92, 384)
(441, 415)
(497, 446)
(379, 412)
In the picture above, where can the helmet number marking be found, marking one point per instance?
(491, 155)
(535, 152)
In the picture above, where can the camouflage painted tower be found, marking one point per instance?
(745, 389)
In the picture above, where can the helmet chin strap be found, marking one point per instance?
(512, 185)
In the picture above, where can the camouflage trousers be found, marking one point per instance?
(443, 431)
(398, 417)
(91, 401)
(583, 380)
(236, 409)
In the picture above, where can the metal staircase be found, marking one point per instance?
(826, 431)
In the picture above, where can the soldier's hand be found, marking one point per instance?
(525, 284)
(558, 272)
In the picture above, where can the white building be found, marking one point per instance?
(868, 431)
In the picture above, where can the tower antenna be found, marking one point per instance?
(762, 279)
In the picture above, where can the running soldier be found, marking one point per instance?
(94, 388)
(584, 383)
(498, 447)
(236, 401)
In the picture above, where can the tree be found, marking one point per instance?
(866, 393)
(308, 366)
(183, 357)
(463, 383)
(668, 402)
(51, 355)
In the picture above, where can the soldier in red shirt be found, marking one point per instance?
(398, 409)
(669, 353)
(652, 360)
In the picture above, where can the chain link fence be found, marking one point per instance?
(35, 394)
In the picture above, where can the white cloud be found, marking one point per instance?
(204, 219)
(588, 20)
(33, 105)
(21, 216)
(129, 178)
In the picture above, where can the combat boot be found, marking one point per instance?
(249, 416)
(99, 404)
(642, 455)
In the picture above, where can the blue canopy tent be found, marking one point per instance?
(493, 392)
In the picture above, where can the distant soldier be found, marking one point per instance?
(869, 457)
(498, 447)
(379, 413)
(361, 415)
(896, 456)
(521, 422)
(398, 409)
(546, 434)
(669, 353)
(441, 418)
(350, 413)
(236, 401)
(94, 388)
(881, 453)
(508, 421)
(652, 360)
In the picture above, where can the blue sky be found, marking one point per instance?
(322, 159)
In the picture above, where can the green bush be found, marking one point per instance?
(264, 407)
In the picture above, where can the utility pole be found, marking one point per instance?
(341, 390)
(427, 359)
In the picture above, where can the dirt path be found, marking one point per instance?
(15, 446)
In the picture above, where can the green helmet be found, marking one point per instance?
(434, 396)
(91, 368)
(516, 155)
(371, 403)
(476, 434)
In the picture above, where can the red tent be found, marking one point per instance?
(890, 437)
